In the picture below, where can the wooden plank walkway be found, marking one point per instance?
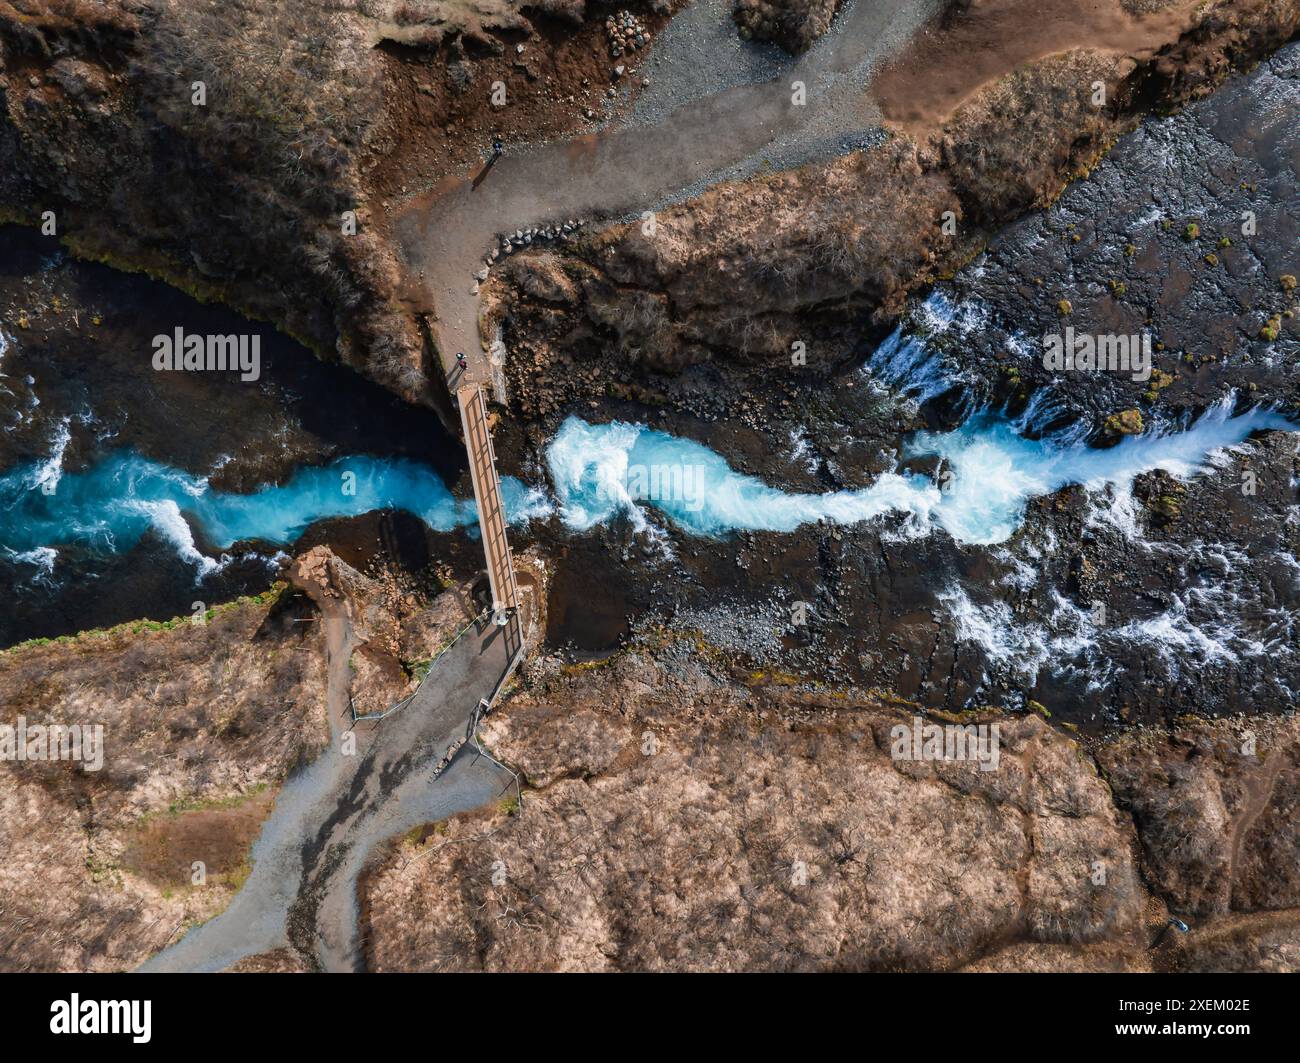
(487, 494)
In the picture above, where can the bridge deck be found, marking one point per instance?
(487, 493)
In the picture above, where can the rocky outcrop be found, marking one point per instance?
(251, 153)
(793, 24)
(827, 254)
(216, 147)
(1212, 804)
(394, 629)
(201, 723)
(1181, 238)
(818, 254)
(680, 812)
(680, 820)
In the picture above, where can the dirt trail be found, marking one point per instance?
(446, 233)
(917, 94)
(1259, 791)
(882, 63)
(329, 818)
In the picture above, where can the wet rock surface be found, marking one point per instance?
(78, 386)
(1102, 610)
(1184, 232)
(825, 255)
(1108, 606)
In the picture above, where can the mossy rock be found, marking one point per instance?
(1125, 423)
(1168, 507)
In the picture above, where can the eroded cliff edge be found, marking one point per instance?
(310, 112)
(680, 811)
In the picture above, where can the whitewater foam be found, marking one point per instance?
(991, 473)
(45, 476)
(43, 559)
(1068, 644)
(110, 506)
(165, 517)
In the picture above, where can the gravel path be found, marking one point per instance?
(329, 818)
(706, 117)
(716, 108)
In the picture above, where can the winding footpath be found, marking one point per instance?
(329, 817)
(644, 164)
(695, 127)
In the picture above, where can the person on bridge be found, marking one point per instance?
(461, 362)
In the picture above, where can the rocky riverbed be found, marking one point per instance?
(1140, 601)
(705, 736)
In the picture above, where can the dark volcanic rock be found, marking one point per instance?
(1184, 233)
(793, 24)
(1108, 606)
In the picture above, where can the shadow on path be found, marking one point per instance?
(331, 815)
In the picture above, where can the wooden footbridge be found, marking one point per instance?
(501, 620)
(487, 494)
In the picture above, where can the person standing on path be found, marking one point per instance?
(498, 149)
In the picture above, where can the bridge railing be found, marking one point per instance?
(487, 494)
